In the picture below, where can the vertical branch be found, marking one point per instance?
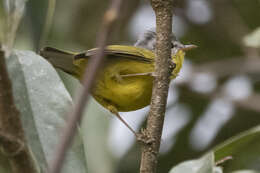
(48, 22)
(110, 17)
(163, 11)
(12, 138)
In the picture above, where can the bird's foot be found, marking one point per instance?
(118, 78)
(172, 65)
(144, 137)
(115, 112)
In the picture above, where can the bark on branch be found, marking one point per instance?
(12, 138)
(163, 11)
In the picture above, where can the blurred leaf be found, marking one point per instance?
(205, 164)
(217, 169)
(253, 39)
(246, 171)
(244, 149)
(43, 101)
(13, 11)
(94, 130)
(40, 19)
(4, 165)
(71, 83)
(1, 23)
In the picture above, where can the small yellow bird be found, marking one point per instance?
(126, 79)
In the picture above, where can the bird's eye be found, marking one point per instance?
(172, 45)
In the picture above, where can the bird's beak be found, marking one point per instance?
(188, 47)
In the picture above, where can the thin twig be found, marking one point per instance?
(12, 138)
(163, 11)
(74, 118)
(48, 22)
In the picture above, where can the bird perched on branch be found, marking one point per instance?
(126, 79)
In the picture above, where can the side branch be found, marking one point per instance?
(163, 11)
(90, 74)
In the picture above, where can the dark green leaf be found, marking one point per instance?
(244, 149)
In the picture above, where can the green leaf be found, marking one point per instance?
(245, 171)
(244, 149)
(205, 164)
(43, 102)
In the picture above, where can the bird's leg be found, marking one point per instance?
(113, 110)
(125, 123)
(142, 137)
(138, 74)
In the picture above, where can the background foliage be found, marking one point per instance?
(215, 97)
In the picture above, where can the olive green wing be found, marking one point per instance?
(60, 59)
(120, 51)
(70, 62)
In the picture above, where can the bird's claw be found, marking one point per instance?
(144, 137)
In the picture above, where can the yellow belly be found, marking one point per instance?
(131, 94)
(124, 93)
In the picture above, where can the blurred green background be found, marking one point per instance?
(216, 95)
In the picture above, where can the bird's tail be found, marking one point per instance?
(60, 59)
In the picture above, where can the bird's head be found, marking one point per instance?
(148, 40)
